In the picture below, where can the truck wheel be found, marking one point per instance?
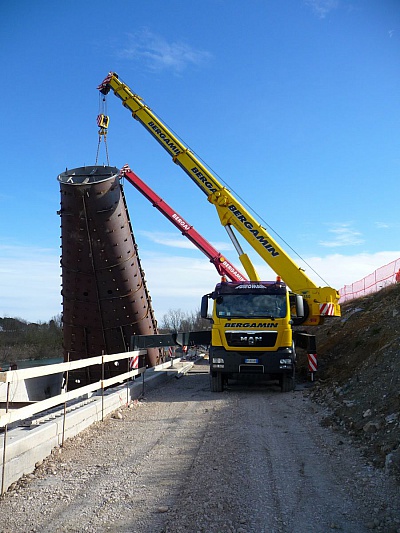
(287, 382)
(217, 384)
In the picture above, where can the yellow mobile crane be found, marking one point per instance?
(319, 302)
(322, 301)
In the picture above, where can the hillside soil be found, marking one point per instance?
(359, 375)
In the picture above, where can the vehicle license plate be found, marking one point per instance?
(251, 360)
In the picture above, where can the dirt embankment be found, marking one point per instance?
(359, 375)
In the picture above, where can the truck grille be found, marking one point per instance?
(258, 339)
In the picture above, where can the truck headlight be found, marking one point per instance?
(285, 362)
(218, 361)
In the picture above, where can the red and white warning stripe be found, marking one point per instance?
(326, 309)
(134, 362)
(312, 362)
(106, 81)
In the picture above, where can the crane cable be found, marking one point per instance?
(102, 121)
(258, 216)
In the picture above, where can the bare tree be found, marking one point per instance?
(178, 320)
(172, 320)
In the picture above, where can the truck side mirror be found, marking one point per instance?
(299, 306)
(204, 307)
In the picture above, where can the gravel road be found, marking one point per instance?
(250, 459)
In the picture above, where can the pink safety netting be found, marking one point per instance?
(382, 277)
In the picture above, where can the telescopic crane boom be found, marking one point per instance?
(320, 301)
(223, 266)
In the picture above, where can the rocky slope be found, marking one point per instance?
(359, 375)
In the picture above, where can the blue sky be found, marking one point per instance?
(293, 103)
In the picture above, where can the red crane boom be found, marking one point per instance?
(223, 266)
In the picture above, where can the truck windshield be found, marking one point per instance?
(251, 305)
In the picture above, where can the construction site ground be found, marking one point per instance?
(183, 459)
(249, 460)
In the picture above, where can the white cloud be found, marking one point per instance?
(223, 246)
(174, 240)
(386, 225)
(178, 276)
(159, 54)
(322, 7)
(344, 235)
(339, 270)
(178, 282)
(30, 283)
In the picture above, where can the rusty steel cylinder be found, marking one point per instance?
(105, 297)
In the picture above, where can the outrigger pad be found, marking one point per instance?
(192, 338)
(304, 340)
(142, 342)
(188, 338)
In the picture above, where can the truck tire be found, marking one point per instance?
(216, 381)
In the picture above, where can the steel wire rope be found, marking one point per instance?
(242, 200)
(102, 131)
(231, 189)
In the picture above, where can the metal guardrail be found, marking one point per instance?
(13, 376)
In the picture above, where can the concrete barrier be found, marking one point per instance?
(31, 390)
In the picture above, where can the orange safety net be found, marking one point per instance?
(381, 278)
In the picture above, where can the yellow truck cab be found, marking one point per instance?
(251, 332)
